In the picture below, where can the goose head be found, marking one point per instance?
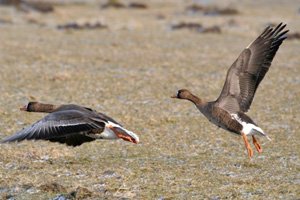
(38, 107)
(186, 94)
(183, 94)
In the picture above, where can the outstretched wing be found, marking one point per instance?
(245, 74)
(62, 126)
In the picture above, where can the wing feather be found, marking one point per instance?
(246, 73)
(60, 124)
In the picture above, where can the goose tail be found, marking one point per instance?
(123, 133)
(258, 131)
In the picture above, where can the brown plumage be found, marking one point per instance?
(242, 80)
(71, 124)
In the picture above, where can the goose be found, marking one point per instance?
(71, 124)
(242, 80)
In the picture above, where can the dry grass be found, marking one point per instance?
(129, 71)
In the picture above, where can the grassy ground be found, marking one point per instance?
(129, 71)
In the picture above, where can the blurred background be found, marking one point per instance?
(126, 58)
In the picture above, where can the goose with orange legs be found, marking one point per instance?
(242, 80)
(71, 124)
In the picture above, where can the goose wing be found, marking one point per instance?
(100, 115)
(106, 118)
(60, 126)
(246, 73)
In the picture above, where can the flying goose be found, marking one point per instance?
(242, 80)
(71, 124)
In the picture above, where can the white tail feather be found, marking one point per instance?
(130, 133)
(258, 131)
(250, 129)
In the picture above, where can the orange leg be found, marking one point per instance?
(250, 151)
(256, 144)
(122, 135)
